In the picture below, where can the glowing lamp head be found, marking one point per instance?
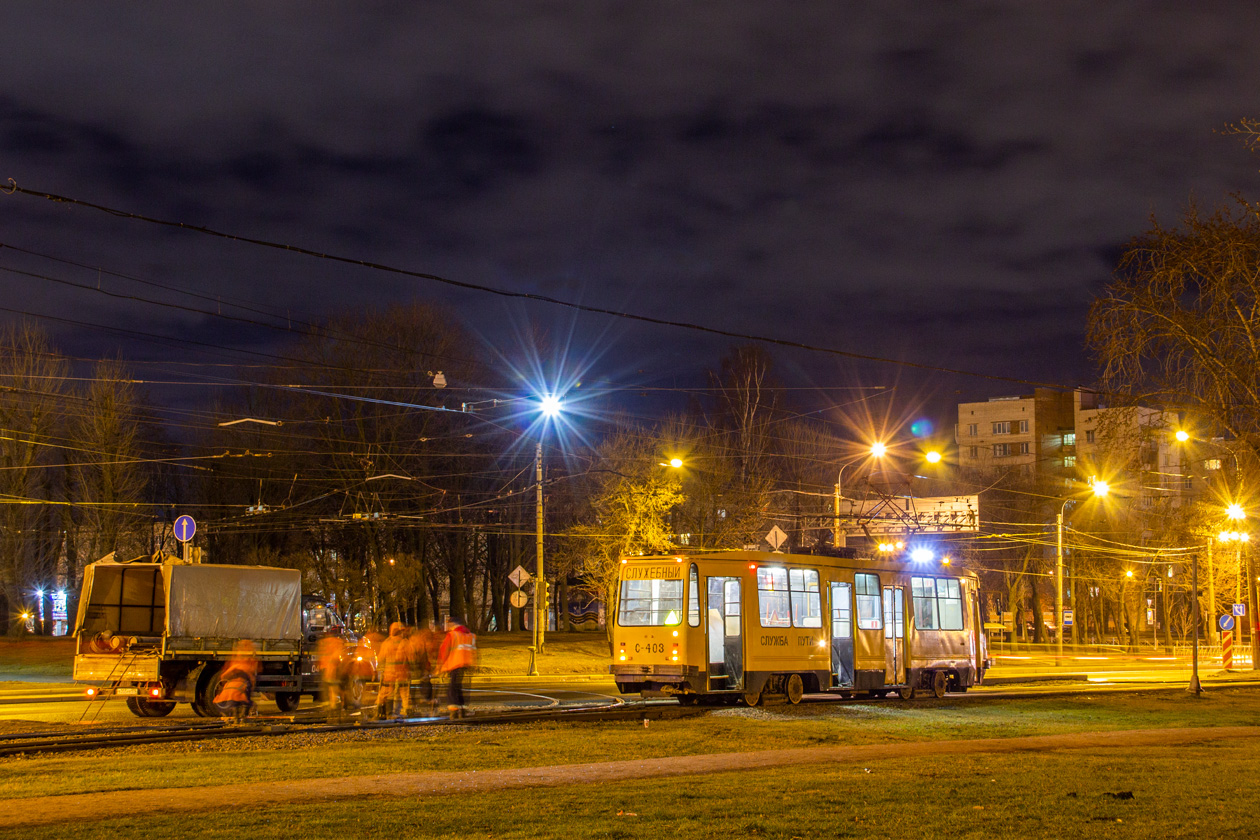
(1182, 436)
(1235, 511)
(550, 405)
(933, 457)
(1100, 487)
(676, 463)
(921, 555)
(878, 449)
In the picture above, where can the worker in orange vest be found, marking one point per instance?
(458, 654)
(394, 699)
(236, 686)
(330, 656)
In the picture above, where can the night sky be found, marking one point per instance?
(945, 183)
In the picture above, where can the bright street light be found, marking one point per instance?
(1235, 512)
(1182, 435)
(878, 449)
(676, 463)
(550, 405)
(933, 457)
(921, 555)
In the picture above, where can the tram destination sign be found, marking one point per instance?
(664, 571)
(919, 514)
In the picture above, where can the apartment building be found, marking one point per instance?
(1024, 434)
(1074, 435)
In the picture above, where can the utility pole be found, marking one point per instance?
(540, 582)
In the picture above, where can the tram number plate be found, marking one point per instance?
(658, 647)
(123, 692)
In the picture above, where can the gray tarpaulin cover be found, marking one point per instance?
(234, 602)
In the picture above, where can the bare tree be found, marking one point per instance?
(32, 384)
(1179, 323)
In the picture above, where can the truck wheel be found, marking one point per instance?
(795, 689)
(939, 683)
(207, 688)
(133, 704)
(287, 701)
(155, 708)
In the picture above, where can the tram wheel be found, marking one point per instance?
(752, 699)
(155, 708)
(794, 688)
(939, 683)
(906, 692)
(287, 701)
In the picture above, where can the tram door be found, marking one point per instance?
(894, 634)
(725, 631)
(842, 633)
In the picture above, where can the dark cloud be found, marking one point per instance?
(930, 182)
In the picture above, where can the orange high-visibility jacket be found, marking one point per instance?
(459, 649)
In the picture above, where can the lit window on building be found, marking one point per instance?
(1212, 463)
(1069, 461)
(1069, 439)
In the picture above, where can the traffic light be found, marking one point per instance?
(544, 597)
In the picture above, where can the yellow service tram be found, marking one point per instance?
(746, 625)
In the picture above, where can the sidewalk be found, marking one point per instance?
(51, 810)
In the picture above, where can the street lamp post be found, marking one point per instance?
(1100, 489)
(877, 450)
(550, 406)
(1195, 687)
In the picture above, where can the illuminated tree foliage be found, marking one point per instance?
(628, 498)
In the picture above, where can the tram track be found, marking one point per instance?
(47, 742)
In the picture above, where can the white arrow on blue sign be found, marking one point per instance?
(185, 527)
(1226, 622)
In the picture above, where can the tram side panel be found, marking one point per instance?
(787, 633)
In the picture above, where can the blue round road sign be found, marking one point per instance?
(185, 527)
(1226, 622)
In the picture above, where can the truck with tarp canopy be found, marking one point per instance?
(158, 633)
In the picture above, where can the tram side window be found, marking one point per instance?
(937, 603)
(650, 603)
(949, 597)
(693, 597)
(868, 602)
(806, 598)
(772, 597)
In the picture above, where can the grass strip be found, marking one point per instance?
(417, 750)
(1139, 792)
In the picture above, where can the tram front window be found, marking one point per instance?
(650, 603)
